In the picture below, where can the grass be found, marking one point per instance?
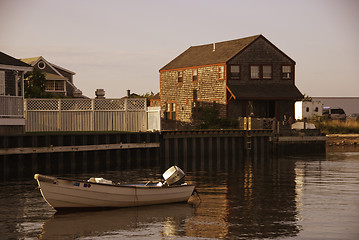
(338, 127)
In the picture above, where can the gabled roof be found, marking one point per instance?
(214, 53)
(31, 61)
(208, 54)
(51, 76)
(34, 60)
(11, 63)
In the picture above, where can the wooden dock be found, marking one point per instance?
(207, 150)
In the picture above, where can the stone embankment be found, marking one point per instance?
(343, 140)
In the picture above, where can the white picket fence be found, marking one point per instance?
(49, 115)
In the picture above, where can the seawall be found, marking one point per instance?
(207, 150)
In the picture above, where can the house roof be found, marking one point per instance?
(208, 54)
(34, 60)
(12, 63)
(51, 76)
(30, 61)
(266, 91)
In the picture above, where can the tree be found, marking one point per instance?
(307, 98)
(209, 119)
(34, 85)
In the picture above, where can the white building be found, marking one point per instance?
(305, 109)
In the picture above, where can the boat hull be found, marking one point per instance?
(61, 193)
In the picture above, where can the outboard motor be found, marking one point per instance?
(174, 175)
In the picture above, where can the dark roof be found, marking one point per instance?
(156, 96)
(204, 54)
(266, 91)
(8, 60)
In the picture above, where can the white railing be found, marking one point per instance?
(128, 114)
(12, 106)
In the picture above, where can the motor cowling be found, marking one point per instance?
(174, 176)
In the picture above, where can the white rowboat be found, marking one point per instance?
(65, 193)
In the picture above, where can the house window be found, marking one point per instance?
(267, 72)
(180, 76)
(170, 113)
(194, 75)
(41, 65)
(52, 85)
(254, 72)
(286, 72)
(59, 86)
(2, 83)
(235, 71)
(221, 72)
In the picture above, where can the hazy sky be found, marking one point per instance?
(118, 45)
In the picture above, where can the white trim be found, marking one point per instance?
(64, 69)
(43, 67)
(2, 83)
(48, 63)
(71, 84)
(16, 68)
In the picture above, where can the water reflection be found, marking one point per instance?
(303, 198)
(262, 201)
(119, 222)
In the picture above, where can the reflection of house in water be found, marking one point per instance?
(262, 201)
(210, 220)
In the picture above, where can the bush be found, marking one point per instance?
(335, 126)
(209, 119)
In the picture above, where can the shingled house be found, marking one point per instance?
(59, 81)
(242, 77)
(12, 120)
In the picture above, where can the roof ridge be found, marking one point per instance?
(201, 55)
(227, 41)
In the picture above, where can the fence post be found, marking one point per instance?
(92, 115)
(25, 113)
(59, 124)
(126, 116)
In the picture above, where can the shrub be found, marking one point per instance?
(335, 126)
(209, 119)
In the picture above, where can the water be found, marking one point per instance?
(288, 198)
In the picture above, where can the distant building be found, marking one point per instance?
(242, 77)
(308, 109)
(12, 71)
(155, 101)
(349, 104)
(59, 81)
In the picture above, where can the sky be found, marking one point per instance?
(117, 45)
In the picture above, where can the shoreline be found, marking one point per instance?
(343, 140)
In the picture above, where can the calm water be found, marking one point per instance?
(291, 198)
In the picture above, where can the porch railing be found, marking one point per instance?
(248, 123)
(12, 106)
